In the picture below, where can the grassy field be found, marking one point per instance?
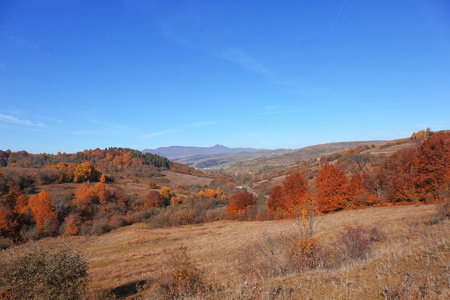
(410, 262)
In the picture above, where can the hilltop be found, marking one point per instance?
(177, 152)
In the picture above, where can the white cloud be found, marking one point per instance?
(180, 129)
(16, 121)
(238, 57)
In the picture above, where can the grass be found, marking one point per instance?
(412, 249)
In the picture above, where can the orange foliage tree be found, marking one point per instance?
(289, 200)
(331, 188)
(44, 213)
(86, 172)
(239, 203)
(87, 196)
(433, 165)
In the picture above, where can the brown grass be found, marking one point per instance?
(137, 253)
(177, 179)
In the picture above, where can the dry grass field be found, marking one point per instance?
(177, 179)
(412, 261)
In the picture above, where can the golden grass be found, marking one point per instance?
(177, 179)
(135, 253)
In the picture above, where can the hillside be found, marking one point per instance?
(293, 157)
(216, 161)
(134, 256)
(177, 152)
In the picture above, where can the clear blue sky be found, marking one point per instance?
(76, 74)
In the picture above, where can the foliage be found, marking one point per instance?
(331, 188)
(291, 198)
(239, 203)
(86, 172)
(44, 213)
(43, 272)
(433, 165)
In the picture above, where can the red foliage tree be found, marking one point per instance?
(433, 165)
(398, 175)
(72, 224)
(291, 198)
(239, 203)
(331, 188)
(8, 222)
(154, 199)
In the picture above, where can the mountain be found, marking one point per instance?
(178, 152)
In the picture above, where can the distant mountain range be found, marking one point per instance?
(178, 152)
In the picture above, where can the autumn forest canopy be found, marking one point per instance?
(96, 191)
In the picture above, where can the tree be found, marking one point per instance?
(44, 213)
(154, 199)
(86, 172)
(291, 198)
(433, 165)
(72, 224)
(331, 188)
(239, 203)
(398, 174)
(8, 222)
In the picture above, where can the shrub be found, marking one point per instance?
(43, 272)
(239, 204)
(183, 277)
(354, 242)
(101, 227)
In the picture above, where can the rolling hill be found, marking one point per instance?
(177, 152)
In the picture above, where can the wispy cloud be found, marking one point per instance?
(337, 18)
(86, 132)
(238, 57)
(278, 112)
(9, 119)
(180, 129)
(159, 133)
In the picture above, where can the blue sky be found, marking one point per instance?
(78, 75)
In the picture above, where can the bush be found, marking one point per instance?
(182, 278)
(354, 242)
(43, 272)
(101, 227)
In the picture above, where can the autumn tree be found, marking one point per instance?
(290, 198)
(239, 203)
(86, 172)
(8, 222)
(44, 213)
(154, 199)
(433, 165)
(331, 188)
(72, 224)
(398, 174)
(88, 196)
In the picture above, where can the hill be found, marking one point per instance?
(177, 152)
(128, 259)
(292, 157)
(216, 161)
